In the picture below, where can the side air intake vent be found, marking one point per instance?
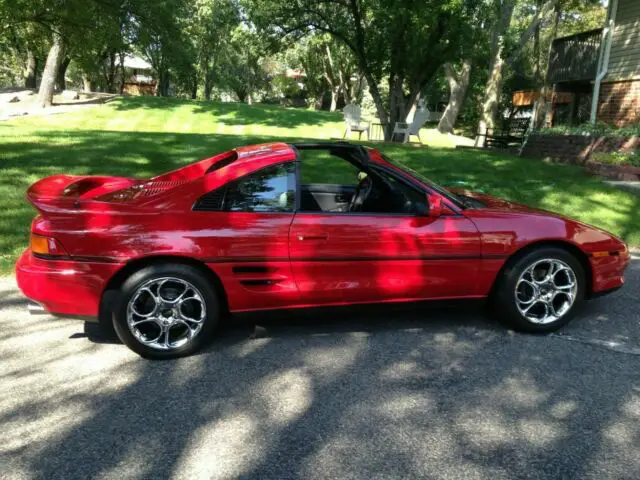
(212, 201)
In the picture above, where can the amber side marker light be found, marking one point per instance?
(606, 254)
(49, 246)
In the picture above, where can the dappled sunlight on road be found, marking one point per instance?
(232, 445)
(619, 436)
(51, 384)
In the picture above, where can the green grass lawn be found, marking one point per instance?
(146, 136)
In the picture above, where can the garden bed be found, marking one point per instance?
(576, 149)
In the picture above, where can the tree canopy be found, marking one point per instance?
(323, 53)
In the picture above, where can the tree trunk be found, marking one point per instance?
(329, 75)
(490, 101)
(122, 73)
(30, 70)
(335, 92)
(537, 76)
(357, 90)
(87, 83)
(413, 108)
(397, 112)
(47, 84)
(242, 95)
(110, 73)
(458, 84)
(208, 86)
(346, 92)
(544, 104)
(61, 82)
(165, 85)
(375, 95)
(162, 85)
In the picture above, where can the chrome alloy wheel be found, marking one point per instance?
(546, 290)
(166, 313)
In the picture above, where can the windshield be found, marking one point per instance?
(431, 184)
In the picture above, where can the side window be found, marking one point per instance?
(390, 195)
(416, 198)
(269, 190)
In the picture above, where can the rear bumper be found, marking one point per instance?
(608, 272)
(64, 287)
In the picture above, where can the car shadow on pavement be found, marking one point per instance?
(432, 315)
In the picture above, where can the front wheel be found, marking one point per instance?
(166, 311)
(541, 291)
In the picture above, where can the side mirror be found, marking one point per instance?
(435, 205)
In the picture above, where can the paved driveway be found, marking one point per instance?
(438, 393)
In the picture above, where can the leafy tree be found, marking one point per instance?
(329, 67)
(70, 28)
(210, 27)
(241, 67)
(161, 38)
(402, 41)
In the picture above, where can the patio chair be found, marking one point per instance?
(413, 128)
(353, 121)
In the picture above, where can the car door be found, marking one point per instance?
(371, 257)
(246, 237)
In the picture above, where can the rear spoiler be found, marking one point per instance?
(64, 192)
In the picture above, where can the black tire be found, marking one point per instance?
(504, 298)
(181, 272)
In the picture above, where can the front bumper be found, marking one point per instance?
(64, 287)
(608, 272)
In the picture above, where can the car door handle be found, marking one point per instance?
(313, 237)
(341, 198)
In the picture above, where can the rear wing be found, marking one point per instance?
(64, 192)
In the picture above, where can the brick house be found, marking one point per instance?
(619, 95)
(596, 74)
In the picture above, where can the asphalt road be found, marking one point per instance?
(424, 393)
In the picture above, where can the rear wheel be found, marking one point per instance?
(166, 311)
(541, 291)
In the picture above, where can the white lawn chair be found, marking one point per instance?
(413, 128)
(353, 121)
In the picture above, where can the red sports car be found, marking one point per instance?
(165, 258)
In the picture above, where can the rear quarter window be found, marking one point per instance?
(268, 190)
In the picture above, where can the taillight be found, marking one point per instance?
(49, 246)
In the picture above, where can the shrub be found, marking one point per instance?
(587, 129)
(618, 158)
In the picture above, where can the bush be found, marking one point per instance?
(617, 158)
(587, 129)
